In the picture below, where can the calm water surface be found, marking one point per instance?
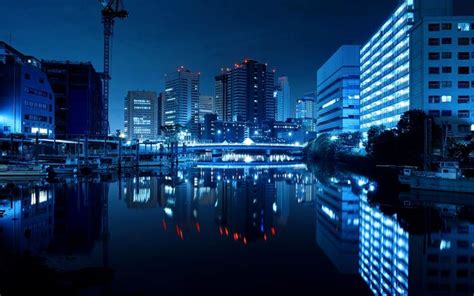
(238, 231)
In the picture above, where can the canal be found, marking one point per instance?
(233, 231)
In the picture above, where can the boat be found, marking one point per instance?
(447, 178)
(22, 170)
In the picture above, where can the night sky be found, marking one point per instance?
(294, 36)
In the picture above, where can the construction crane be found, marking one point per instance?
(112, 9)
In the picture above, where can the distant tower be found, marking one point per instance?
(182, 99)
(284, 105)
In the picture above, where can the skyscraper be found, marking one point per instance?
(305, 110)
(338, 92)
(206, 106)
(250, 87)
(79, 100)
(221, 95)
(141, 115)
(420, 58)
(182, 99)
(284, 104)
(26, 99)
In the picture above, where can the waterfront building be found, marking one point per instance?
(182, 89)
(250, 93)
(338, 92)
(79, 105)
(141, 115)
(161, 112)
(26, 98)
(305, 111)
(421, 58)
(284, 104)
(206, 106)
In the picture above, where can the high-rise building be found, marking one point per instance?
(26, 98)
(338, 92)
(182, 99)
(421, 58)
(141, 115)
(161, 111)
(221, 95)
(284, 104)
(305, 111)
(79, 99)
(250, 97)
(206, 106)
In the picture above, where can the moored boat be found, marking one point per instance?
(447, 178)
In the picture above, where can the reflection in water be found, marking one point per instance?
(383, 251)
(271, 214)
(337, 230)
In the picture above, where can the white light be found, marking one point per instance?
(334, 138)
(275, 208)
(168, 212)
(248, 159)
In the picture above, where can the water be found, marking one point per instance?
(240, 231)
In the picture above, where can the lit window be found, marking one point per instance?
(464, 27)
(446, 99)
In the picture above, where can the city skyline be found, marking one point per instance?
(304, 36)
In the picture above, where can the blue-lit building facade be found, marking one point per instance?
(79, 106)
(181, 106)
(26, 98)
(417, 60)
(338, 92)
(284, 104)
(306, 111)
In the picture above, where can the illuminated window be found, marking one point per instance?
(464, 27)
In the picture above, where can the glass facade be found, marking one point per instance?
(385, 71)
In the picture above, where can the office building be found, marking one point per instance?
(141, 115)
(79, 99)
(206, 106)
(161, 112)
(284, 104)
(26, 98)
(221, 95)
(182, 99)
(250, 93)
(421, 58)
(305, 111)
(338, 92)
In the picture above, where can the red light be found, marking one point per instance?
(226, 231)
(181, 234)
(245, 240)
(273, 230)
(236, 236)
(165, 226)
(221, 232)
(265, 237)
(198, 227)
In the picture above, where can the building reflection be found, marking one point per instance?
(26, 222)
(80, 217)
(337, 223)
(383, 251)
(248, 205)
(141, 192)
